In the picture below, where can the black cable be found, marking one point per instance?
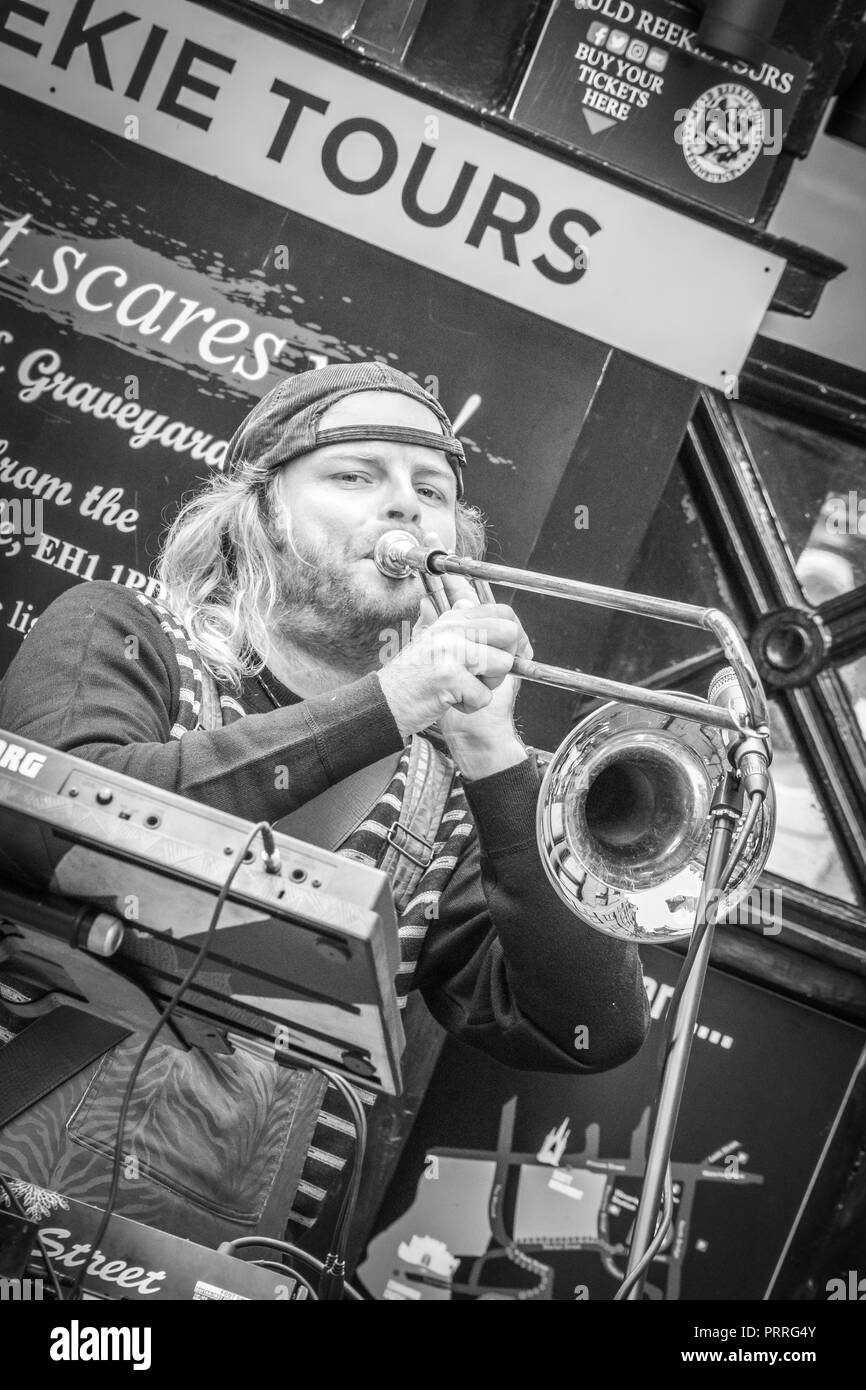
(655, 1244)
(360, 1120)
(332, 1282)
(700, 932)
(668, 1037)
(286, 1269)
(334, 1274)
(166, 1014)
(229, 1247)
(756, 801)
(39, 1242)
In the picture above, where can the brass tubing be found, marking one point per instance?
(646, 605)
(663, 701)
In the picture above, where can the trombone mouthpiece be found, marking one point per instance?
(390, 554)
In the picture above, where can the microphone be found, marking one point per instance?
(750, 755)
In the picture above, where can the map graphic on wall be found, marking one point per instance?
(562, 1201)
(524, 1185)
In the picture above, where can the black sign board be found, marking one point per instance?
(144, 308)
(629, 84)
(518, 1185)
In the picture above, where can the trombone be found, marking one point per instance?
(623, 812)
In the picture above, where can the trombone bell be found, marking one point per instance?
(623, 822)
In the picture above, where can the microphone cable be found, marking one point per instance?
(755, 803)
(333, 1278)
(664, 1225)
(229, 1247)
(332, 1284)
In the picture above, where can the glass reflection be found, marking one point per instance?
(818, 487)
(804, 850)
(854, 676)
(833, 561)
(825, 574)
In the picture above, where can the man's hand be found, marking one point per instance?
(455, 670)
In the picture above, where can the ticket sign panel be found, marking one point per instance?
(629, 84)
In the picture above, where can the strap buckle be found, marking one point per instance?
(410, 835)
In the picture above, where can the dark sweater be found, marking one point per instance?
(510, 970)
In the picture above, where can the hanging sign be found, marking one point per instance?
(391, 170)
(630, 84)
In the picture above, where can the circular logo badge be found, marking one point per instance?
(723, 133)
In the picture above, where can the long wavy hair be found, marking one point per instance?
(220, 566)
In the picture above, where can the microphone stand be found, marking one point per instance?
(724, 815)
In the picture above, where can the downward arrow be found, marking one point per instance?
(595, 121)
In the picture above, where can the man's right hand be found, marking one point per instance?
(453, 662)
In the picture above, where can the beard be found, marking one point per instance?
(325, 612)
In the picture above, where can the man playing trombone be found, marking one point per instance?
(267, 674)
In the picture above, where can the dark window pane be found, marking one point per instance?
(676, 561)
(854, 676)
(817, 484)
(803, 850)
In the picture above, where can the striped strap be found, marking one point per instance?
(189, 667)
